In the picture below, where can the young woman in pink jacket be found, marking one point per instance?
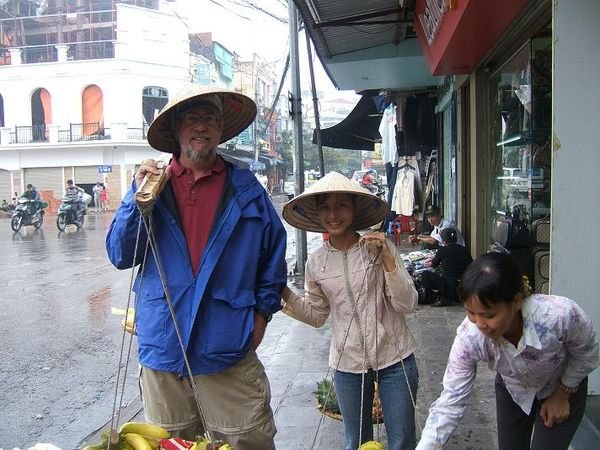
(360, 283)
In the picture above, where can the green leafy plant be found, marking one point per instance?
(328, 404)
(326, 398)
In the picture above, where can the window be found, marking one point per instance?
(154, 98)
(92, 116)
(41, 114)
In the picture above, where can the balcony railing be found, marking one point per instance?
(77, 51)
(76, 132)
(91, 50)
(82, 132)
(38, 54)
(138, 133)
(26, 134)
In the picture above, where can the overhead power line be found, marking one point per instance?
(249, 4)
(229, 10)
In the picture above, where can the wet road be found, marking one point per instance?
(60, 340)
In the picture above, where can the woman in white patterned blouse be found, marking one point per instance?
(542, 347)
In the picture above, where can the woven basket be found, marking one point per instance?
(377, 418)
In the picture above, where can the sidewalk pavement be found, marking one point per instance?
(295, 356)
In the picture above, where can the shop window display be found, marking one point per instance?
(521, 155)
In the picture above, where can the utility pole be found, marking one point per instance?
(315, 106)
(256, 141)
(296, 106)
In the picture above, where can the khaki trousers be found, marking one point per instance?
(235, 404)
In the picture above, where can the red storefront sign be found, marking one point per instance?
(456, 34)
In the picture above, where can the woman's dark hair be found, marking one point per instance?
(492, 278)
(448, 235)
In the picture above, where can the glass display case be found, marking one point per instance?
(521, 153)
(521, 158)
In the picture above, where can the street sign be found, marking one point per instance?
(202, 75)
(104, 169)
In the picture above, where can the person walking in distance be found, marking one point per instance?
(104, 199)
(97, 191)
(222, 252)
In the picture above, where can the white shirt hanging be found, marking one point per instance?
(388, 134)
(403, 200)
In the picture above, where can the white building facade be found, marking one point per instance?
(85, 118)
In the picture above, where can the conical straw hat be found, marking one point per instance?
(238, 112)
(302, 212)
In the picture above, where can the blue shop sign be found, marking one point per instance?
(202, 75)
(104, 169)
(257, 165)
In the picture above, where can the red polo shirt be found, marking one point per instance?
(197, 202)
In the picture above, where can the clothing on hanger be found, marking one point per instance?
(411, 109)
(403, 200)
(426, 122)
(387, 131)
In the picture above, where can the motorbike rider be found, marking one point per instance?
(369, 181)
(73, 192)
(33, 195)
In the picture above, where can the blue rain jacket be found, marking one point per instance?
(243, 269)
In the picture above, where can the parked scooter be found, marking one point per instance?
(27, 213)
(381, 191)
(71, 212)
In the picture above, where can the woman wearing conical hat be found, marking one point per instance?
(361, 283)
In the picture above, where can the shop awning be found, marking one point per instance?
(270, 160)
(244, 162)
(240, 161)
(367, 45)
(360, 129)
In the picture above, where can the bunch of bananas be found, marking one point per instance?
(129, 324)
(130, 314)
(371, 445)
(132, 436)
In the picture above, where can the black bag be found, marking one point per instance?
(423, 297)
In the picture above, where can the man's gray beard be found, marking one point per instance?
(196, 157)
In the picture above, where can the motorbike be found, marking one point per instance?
(71, 212)
(26, 213)
(376, 188)
(8, 208)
